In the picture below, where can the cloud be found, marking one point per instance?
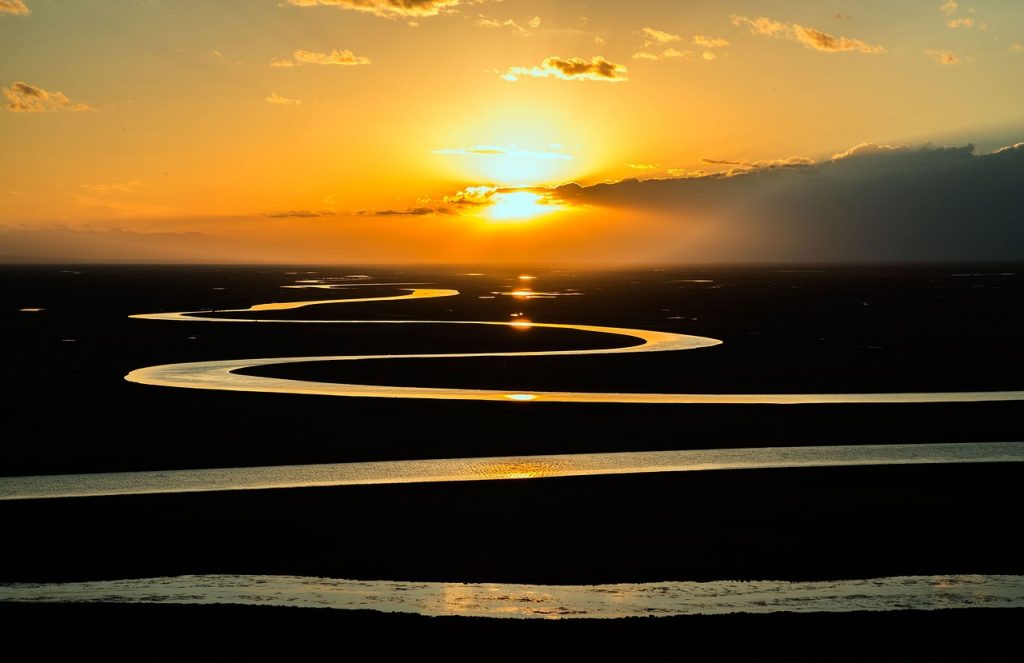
(335, 57)
(1017, 48)
(485, 22)
(658, 37)
(24, 98)
(300, 214)
(761, 26)
(502, 151)
(709, 42)
(823, 41)
(386, 8)
(572, 69)
(415, 211)
(642, 166)
(14, 7)
(943, 57)
(278, 100)
(948, 8)
(113, 187)
(809, 37)
(471, 195)
(744, 165)
(962, 22)
(870, 203)
(534, 22)
(666, 54)
(709, 55)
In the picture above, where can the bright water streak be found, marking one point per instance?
(509, 467)
(546, 601)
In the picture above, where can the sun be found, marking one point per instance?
(518, 206)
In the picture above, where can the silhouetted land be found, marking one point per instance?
(839, 330)
(842, 329)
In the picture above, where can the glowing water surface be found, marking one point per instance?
(508, 467)
(662, 599)
(223, 375)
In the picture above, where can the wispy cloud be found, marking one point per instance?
(387, 8)
(961, 22)
(654, 37)
(301, 56)
(24, 98)
(494, 23)
(1017, 48)
(571, 69)
(642, 166)
(413, 211)
(666, 54)
(113, 187)
(300, 214)
(14, 7)
(278, 100)
(948, 8)
(943, 57)
(809, 37)
(502, 151)
(710, 42)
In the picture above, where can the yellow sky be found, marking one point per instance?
(345, 130)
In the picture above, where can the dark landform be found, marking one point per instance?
(952, 327)
(932, 328)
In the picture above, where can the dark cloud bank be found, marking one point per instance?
(870, 204)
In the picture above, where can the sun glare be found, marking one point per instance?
(517, 206)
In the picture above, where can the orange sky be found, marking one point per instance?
(344, 130)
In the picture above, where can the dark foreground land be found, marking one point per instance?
(930, 328)
(215, 633)
(840, 330)
(742, 525)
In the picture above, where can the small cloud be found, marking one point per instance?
(16, 7)
(709, 42)
(300, 214)
(809, 37)
(302, 56)
(113, 187)
(1017, 48)
(471, 195)
(668, 53)
(948, 8)
(24, 98)
(642, 166)
(572, 69)
(761, 26)
(415, 211)
(599, 41)
(386, 8)
(840, 16)
(534, 22)
(963, 22)
(502, 151)
(278, 100)
(744, 166)
(943, 57)
(823, 41)
(709, 55)
(658, 37)
(485, 22)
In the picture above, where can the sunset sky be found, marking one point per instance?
(446, 130)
